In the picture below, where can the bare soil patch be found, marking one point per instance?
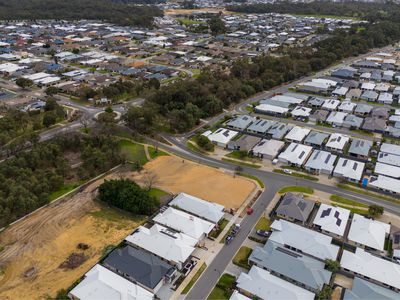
(175, 175)
(72, 233)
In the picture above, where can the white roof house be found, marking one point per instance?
(336, 118)
(367, 232)
(101, 283)
(172, 246)
(301, 111)
(287, 98)
(297, 134)
(321, 162)
(337, 142)
(387, 170)
(390, 148)
(340, 91)
(368, 86)
(385, 183)
(295, 154)
(332, 219)
(183, 222)
(372, 266)
(307, 241)
(10, 68)
(349, 169)
(271, 109)
(210, 211)
(388, 158)
(347, 106)
(331, 104)
(238, 296)
(221, 136)
(263, 284)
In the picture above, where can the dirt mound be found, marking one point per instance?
(73, 261)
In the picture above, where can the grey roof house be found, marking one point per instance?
(294, 207)
(360, 148)
(374, 124)
(240, 122)
(352, 121)
(315, 138)
(294, 267)
(244, 143)
(139, 267)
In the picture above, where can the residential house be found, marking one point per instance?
(374, 124)
(297, 134)
(336, 118)
(363, 289)
(294, 207)
(240, 122)
(353, 122)
(363, 110)
(316, 139)
(260, 126)
(185, 223)
(337, 142)
(268, 149)
(319, 116)
(349, 169)
(320, 162)
(260, 283)
(332, 220)
(221, 136)
(371, 268)
(367, 233)
(101, 283)
(243, 143)
(360, 148)
(293, 266)
(295, 154)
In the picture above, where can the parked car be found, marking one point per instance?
(228, 239)
(263, 233)
(287, 171)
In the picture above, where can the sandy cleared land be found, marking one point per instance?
(45, 239)
(171, 174)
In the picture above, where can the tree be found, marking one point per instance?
(154, 83)
(127, 195)
(204, 143)
(52, 90)
(109, 110)
(325, 293)
(217, 26)
(49, 119)
(332, 265)
(375, 210)
(24, 82)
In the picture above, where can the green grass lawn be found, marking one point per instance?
(133, 151)
(299, 175)
(342, 200)
(239, 163)
(224, 288)
(242, 156)
(298, 189)
(194, 148)
(221, 226)
(64, 190)
(155, 192)
(253, 178)
(194, 279)
(114, 214)
(187, 22)
(156, 153)
(242, 256)
(263, 224)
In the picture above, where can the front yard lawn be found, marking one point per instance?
(241, 258)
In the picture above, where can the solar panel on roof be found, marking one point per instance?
(328, 158)
(355, 166)
(226, 133)
(302, 154)
(339, 138)
(344, 163)
(326, 212)
(294, 148)
(287, 201)
(264, 122)
(338, 222)
(262, 143)
(302, 205)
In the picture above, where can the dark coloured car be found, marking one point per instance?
(263, 233)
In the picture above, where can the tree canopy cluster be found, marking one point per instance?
(179, 106)
(16, 125)
(116, 12)
(358, 9)
(28, 179)
(127, 195)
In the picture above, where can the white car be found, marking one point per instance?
(287, 171)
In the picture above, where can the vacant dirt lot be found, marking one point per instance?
(171, 174)
(37, 246)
